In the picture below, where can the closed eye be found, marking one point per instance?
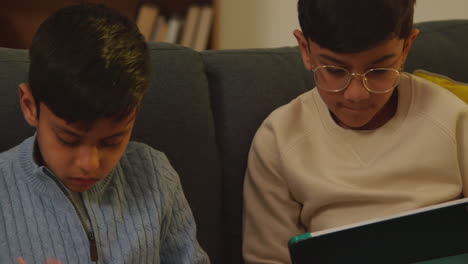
(67, 143)
(335, 71)
(111, 143)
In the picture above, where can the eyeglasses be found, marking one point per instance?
(336, 79)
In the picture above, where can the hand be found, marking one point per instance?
(20, 260)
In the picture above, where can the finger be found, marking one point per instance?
(20, 260)
(53, 261)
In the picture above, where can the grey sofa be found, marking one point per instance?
(203, 109)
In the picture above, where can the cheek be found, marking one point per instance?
(330, 99)
(57, 159)
(381, 99)
(110, 158)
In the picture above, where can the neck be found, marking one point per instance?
(37, 154)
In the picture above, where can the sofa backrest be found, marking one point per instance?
(246, 85)
(13, 70)
(441, 47)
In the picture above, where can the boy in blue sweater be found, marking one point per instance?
(78, 191)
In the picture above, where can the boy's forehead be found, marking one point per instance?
(107, 123)
(111, 123)
(385, 54)
(388, 48)
(392, 42)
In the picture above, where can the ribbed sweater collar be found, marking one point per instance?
(41, 178)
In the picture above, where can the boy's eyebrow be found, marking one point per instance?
(66, 131)
(70, 132)
(119, 134)
(384, 58)
(377, 61)
(330, 58)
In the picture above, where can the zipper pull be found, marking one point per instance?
(92, 247)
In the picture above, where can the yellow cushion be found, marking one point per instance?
(458, 88)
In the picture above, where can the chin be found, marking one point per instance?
(353, 122)
(354, 125)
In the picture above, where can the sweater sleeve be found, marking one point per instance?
(179, 244)
(462, 140)
(271, 215)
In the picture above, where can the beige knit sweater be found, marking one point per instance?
(305, 173)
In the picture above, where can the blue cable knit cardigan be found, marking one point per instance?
(138, 213)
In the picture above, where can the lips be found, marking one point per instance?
(357, 109)
(82, 182)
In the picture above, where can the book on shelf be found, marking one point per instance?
(174, 25)
(146, 19)
(192, 30)
(202, 34)
(190, 26)
(160, 30)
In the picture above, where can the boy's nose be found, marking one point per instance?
(356, 91)
(88, 160)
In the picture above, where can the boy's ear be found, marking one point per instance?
(28, 104)
(409, 41)
(303, 48)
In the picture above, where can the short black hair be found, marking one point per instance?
(348, 26)
(87, 62)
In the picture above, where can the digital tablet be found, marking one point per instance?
(430, 235)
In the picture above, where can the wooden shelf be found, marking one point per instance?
(20, 19)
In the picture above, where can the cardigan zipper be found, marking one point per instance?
(90, 234)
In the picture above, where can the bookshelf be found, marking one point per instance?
(20, 19)
(191, 23)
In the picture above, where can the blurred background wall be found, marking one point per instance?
(269, 23)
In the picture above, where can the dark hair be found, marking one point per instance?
(348, 26)
(88, 62)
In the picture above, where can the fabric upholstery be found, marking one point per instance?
(441, 47)
(246, 85)
(13, 70)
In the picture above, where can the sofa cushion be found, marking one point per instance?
(246, 85)
(13, 70)
(460, 89)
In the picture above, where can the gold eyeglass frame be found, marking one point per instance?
(351, 75)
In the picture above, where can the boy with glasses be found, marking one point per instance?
(369, 141)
